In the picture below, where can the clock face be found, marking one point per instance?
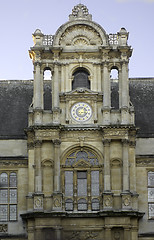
(81, 112)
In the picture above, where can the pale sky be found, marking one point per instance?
(20, 18)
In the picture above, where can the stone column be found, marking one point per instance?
(125, 152)
(106, 95)
(125, 87)
(133, 166)
(57, 143)
(57, 195)
(107, 174)
(89, 190)
(127, 234)
(124, 94)
(38, 195)
(38, 87)
(38, 170)
(120, 88)
(133, 189)
(108, 234)
(107, 194)
(55, 94)
(75, 191)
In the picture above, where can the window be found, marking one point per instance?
(8, 196)
(151, 194)
(81, 79)
(47, 89)
(82, 182)
(114, 77)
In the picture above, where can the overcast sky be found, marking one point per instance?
(20, 18)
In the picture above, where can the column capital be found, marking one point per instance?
(125, 142)
(37, 63)
(132, 144)
(37, 143)
(106, 142)
(56, 142)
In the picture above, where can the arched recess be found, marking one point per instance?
(47, 78)
(116, 175)
(47, 170)
(114, 78)
(82, 179)
(81, 79)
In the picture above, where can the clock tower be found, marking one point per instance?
(81, 150)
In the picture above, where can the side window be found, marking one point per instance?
(8, 196)
(151, 194)
(81, 79)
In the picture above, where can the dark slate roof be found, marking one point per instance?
(16, 97)
(142, 97)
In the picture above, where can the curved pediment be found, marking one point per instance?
(80, 35)
(80, 30)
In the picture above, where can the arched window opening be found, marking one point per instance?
(82, 181)
(80, 79)
(47, 88)
(47, 74)
(114, 78)
(114, 74)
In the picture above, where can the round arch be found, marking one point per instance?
(77, 147)
(89, 24)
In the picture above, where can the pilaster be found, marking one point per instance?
(57, 195)
(38, 170)
(107, 195)
(125, 156)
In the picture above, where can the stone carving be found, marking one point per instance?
(126, 201)
(57, 203)
(145, 162)
(38, 202)
(80, 35)
(47, 163)
(80, 11)
(116, 235)
(14, 163)
(108, 201)
(81, 235)
(82, 158)
(3, 228)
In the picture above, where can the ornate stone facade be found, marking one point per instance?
(79, 179)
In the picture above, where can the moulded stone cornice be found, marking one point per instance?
(14, 163)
